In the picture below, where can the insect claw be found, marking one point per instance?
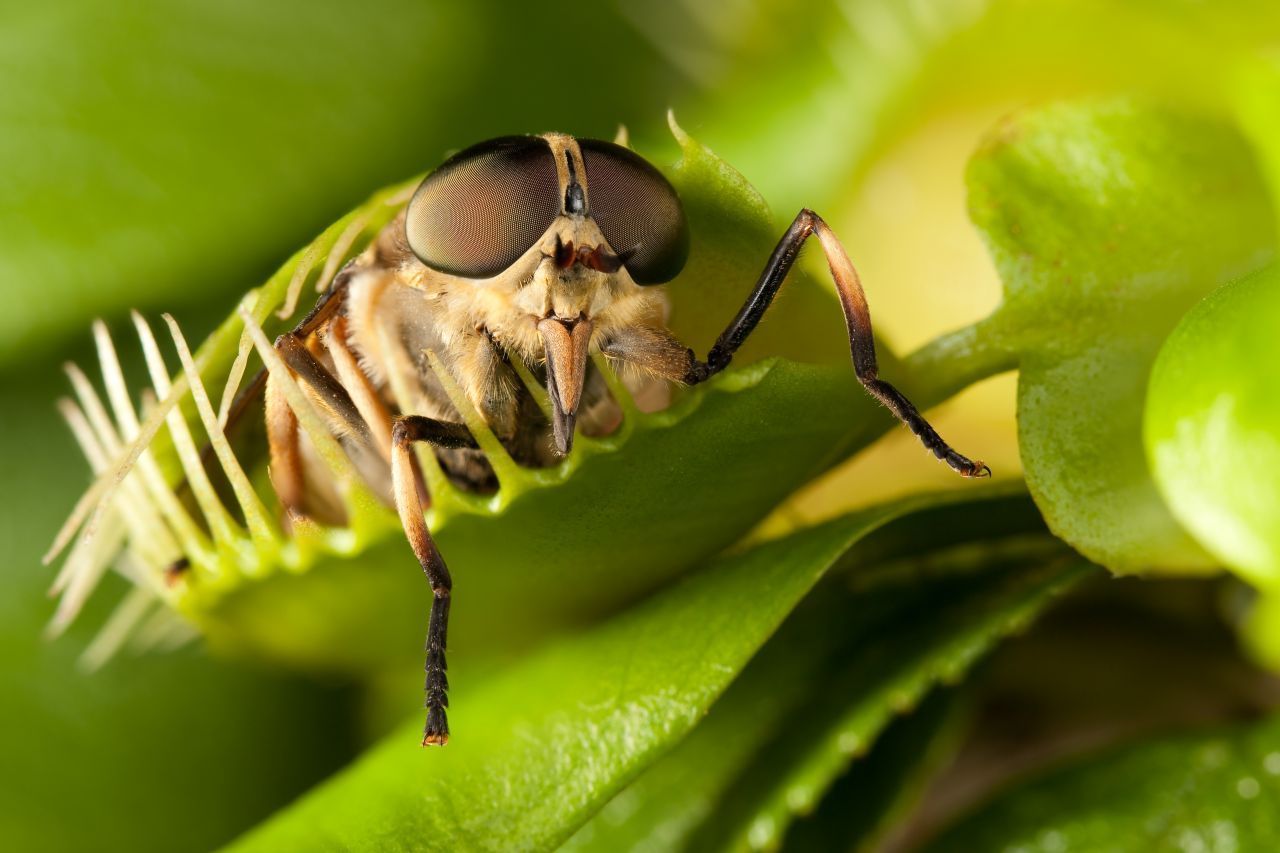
(437, 731)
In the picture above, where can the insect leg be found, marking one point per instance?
(324, 309)
(329, 303)
(407, 485)
(857, 319)
(285, 466)
(344, 417)
(331, 395)
(363, 395)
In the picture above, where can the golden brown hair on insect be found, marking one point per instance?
(514, 262)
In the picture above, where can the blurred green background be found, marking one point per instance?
(169, 155)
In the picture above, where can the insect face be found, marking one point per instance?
(552, 233)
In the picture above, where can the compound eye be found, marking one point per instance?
(484, 207)
(637, 210)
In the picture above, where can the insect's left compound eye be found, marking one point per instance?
(484, 207)
(637, 210)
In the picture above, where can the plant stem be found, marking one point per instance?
(952, 362)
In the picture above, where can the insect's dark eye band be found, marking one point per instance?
(637, 210)
(484, 207)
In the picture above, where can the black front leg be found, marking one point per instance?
(857, 318)
(406, 481)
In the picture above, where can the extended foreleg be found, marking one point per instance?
(857, 320)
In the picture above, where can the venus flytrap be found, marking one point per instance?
(246, 566)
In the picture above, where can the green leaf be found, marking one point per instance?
(1213, 437)
(867, 647)
(1213, 425)
(877, 792)
(904, 642)
(1208, 791)
(546, 742)
(1107, 221)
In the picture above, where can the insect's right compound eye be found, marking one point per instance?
(484, 207)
